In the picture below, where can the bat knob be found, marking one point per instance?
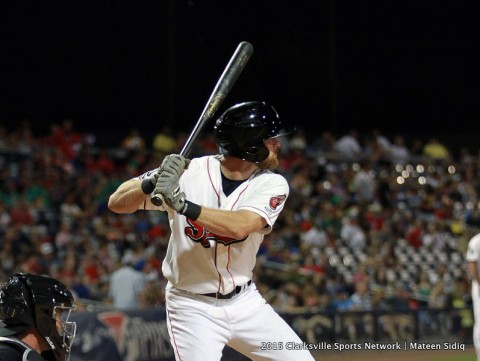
(156, 201)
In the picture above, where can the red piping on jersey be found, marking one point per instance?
(238, 198)
(229, 247)
(216, 268)
(228, 270)
(218, 202)
(211, 180)
(173, 337)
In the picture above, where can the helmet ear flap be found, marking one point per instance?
(253, 150)
(256, 153)
(17, 306)
(226, 148)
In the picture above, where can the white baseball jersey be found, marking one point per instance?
(199, 261)
(473, 255)
(473, 251)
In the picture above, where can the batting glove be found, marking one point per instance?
(172, 163)
(168, 188)
(150, 181)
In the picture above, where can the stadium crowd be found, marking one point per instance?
(371, 222)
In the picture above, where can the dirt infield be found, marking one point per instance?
(409, 355)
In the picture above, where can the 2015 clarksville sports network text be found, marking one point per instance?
(338, 346)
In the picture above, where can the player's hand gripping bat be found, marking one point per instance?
(225, 83)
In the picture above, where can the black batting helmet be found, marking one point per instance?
(39, 302)
(241, 130)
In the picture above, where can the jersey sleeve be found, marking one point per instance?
(267, 198)
(473, 251)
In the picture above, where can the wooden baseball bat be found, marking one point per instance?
(224, 84)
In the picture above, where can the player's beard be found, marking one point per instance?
(270, 163)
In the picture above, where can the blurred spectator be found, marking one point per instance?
(126, 285)
(133, 141)
(361, 273)
(364, 184)
(348, 146)
(7, 263)
(341, 301)
(70, 210)
(80, 285)
(415, 232)
(5, 217)
(435, 150)
(399, 152)
(324, 144)
(463, 319)
(378, 148)
(21, 214)
(360, 300)
(298, 141)
(472, 216)
(315, 323)
(100, 162)
(288, 297)
(164, 142)
(416, 150)
(65, 139)
(351, 232)
(398, 322)
(312, 236)
(309, 266)
(22, 139)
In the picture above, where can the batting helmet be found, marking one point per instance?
(241, 130)
(40, 302)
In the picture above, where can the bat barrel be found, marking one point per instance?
(224, 84)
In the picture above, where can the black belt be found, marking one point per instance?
(236, 291)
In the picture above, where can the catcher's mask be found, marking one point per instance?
(242, 129)
(43, 303)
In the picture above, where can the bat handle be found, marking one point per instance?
(156, 198)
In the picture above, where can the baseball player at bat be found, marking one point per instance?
(472, 257)
(220, 207)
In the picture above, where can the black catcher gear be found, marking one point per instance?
(43, 303)
(242, 129)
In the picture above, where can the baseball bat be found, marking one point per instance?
(224, 84)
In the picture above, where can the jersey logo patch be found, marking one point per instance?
(199, 234)
(276, 201)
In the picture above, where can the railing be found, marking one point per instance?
(452, 324)
(116, 335)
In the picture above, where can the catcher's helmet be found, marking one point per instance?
(241, 130)
(40, 302)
